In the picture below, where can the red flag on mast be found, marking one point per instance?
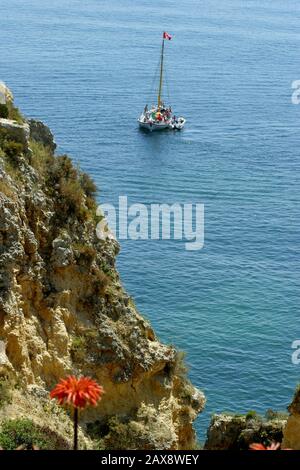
(167, 36)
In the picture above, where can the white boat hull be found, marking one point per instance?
(148, 121)
(153, 126)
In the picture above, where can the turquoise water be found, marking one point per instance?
(85, 68)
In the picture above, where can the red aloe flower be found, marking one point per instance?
(77, 392)
(273, 446)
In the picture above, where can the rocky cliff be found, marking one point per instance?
(237, 432)
(291, 436)
(63, 309)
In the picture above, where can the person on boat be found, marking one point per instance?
(146, 109)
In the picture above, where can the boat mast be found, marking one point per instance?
(161, 73)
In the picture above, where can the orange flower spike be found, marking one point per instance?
(257, 447)
(77, 392)
(273, 446)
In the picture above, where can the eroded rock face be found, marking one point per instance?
(63, 309)
(17, 132)
(41, 133)
(237, 432)
(291, 435)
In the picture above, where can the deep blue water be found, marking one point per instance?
(86, 67)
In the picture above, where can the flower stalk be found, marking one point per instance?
(75, 445)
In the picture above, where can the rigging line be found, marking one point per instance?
(153, 87)
(167, 84)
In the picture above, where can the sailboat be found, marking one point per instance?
(160, 116)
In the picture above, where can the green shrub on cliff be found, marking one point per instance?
(63, 168)
(9, 111)
(17, 432)
(88, 185)
(13, 149)
(124, 435)
(251, 415)
(81, 342)
(73, 190)
(179, 367)
(14, 113)
(5, 392)
(78, 348)
(9, 147)
(42, 158)
(72, 198)
(3, 111)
